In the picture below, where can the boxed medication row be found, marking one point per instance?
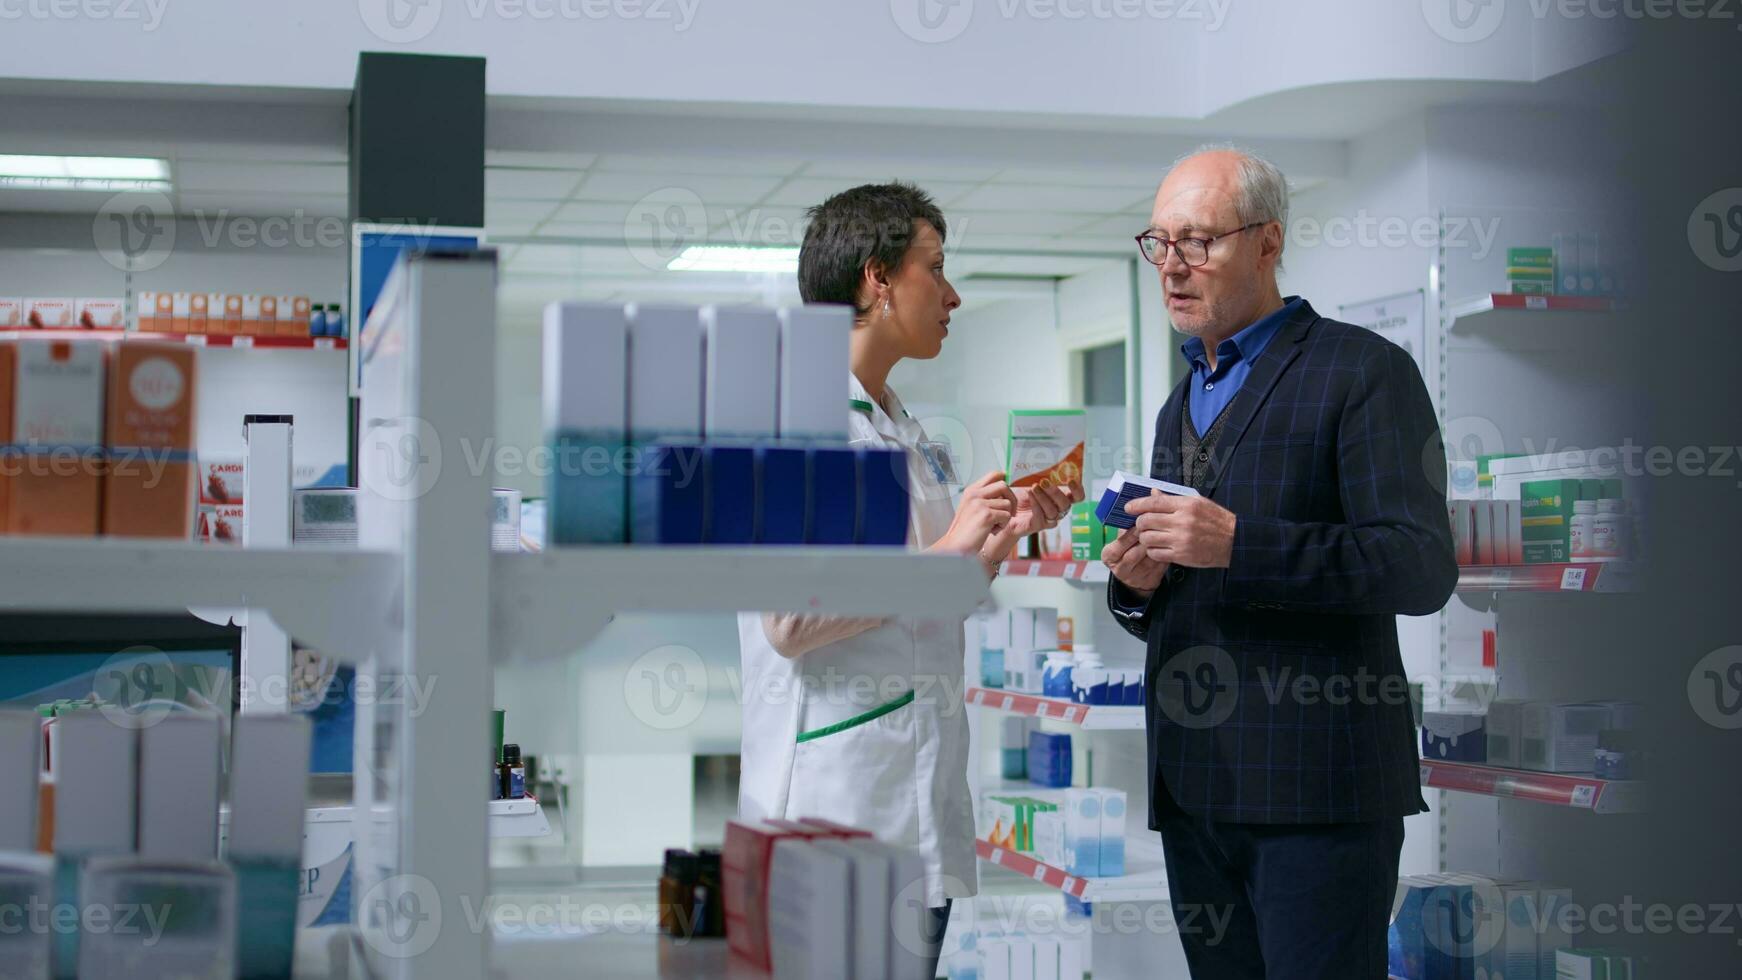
(62, 313)
(1022, 957)
(242, 314)
(1085, 834)
(812, 898)
(1599, 964)
(1554, 736)
(715, 425)
(97, 438)
(134, 818)
(1465, 926)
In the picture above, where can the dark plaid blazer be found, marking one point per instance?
(1277, 693)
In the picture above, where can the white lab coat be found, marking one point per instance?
(902, 773)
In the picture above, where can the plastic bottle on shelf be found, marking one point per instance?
(1609, 531)
(1580, 531)
(317, 320)
(335, 320)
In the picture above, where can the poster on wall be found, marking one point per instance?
(1400, 318)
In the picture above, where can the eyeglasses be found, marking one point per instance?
(1194, 252)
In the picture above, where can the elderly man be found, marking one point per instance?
(1281, 745)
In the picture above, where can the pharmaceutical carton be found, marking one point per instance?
(907, 914)
(267, 324)
(95, 779)
(782, 481)
(1112, 859)
(586, 355)
(1554, 902)
(1082, 831)
(149, 479)
(1046, 447)
(833, 501)
(868, 878)
(746, 862)
(1546, 515)
(813, 366)
(234, 320)
(1070, 959)
(178, 788)
(669, 494)
(182, 312)
(1503, 729)
(20, 768)
(199, 312)
(1125, 487)
(994, 958)
(1560, 736)
(1511, 952)
(883, 497)
(10, 459)
(730, 487)
(1021, 958)
(268, 796)
(100, 314)
(49, 314)
(54, 475)
(1046, 958)
(1453, 736)
(664, 387)
(11, 313)
(741, 387)
(810, 914)
(165, 314)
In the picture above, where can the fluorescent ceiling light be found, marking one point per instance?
(84, 173)
(732, 258)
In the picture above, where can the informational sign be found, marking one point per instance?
(374, 249)
(1400, 318)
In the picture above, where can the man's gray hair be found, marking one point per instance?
(1263, 194)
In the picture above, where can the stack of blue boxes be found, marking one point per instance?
(720, 425)
(1049, 759)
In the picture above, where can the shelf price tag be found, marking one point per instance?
(197, 339)
(1536, 302)
(322, 343)
(1008, 701)
(1039, 873)
(242, 342)
(1427, 774)
(997, 856)
(1573, 579)
(1033, 569)
(1584, 794)
(1070, 570)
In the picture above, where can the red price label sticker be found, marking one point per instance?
(1584, 795)
(1039, 873)
(197, 339)
(1573, 579)
(1536, 302)
(243, 342)
(323, 343)
(1033, 569)
(1008, 701)
(1427, 774)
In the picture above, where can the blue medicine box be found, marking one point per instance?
(731, 494)
(1454, 736)
(832, 490)
(781, 476)
(1049, 759)
(883, 504)
(670, 504)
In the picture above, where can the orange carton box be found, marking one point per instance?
(53, 467)
(199, 312)
(232, 313)
(149, 482)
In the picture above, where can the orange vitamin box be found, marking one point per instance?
(149, 481)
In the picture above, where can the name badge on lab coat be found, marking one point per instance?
(942, 465)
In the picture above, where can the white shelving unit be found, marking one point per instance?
(425, 404)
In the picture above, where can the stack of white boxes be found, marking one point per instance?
(1022, 957)
(1028, 635)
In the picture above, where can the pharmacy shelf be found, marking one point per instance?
(191, 339)
(1580, 792)
(551, 603)
(334, 600)
(1604, 576)
(1146, 880)
(518, 818)
(1088, 572)
(1535, 322)
(1089, 717)
(638, 954)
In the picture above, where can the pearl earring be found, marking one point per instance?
(886, 309)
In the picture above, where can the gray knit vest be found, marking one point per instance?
(1197, 451)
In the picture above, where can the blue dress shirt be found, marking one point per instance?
(1211, 391)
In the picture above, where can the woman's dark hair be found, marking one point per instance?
(871, 223)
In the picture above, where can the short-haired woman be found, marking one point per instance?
(862, 721)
